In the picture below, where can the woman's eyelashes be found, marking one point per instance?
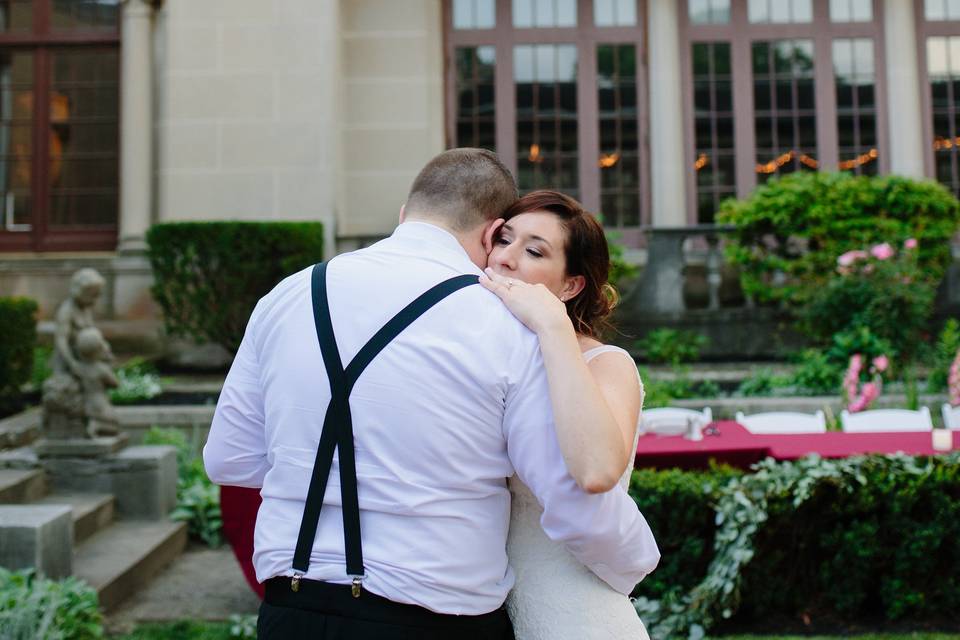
(532, 252)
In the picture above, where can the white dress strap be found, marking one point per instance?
(590, 354)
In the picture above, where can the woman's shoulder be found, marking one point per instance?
(591, 349)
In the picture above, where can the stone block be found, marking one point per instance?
(142, 478)
(79, 447)
(144, 481)
(39, 537)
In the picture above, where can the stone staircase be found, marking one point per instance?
(94, 535)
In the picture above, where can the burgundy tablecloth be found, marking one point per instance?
(238, 507)
(736, 446)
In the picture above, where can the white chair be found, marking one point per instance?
(672, 421)
(951, 416)
(886, 420)
(783, 422)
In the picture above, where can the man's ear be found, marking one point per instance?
(403, 212)
(572, 287)
(490, 233)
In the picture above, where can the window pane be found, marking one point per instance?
(840, 11)
(786, 135)
(619, 145)
(935, 9)
(16, 16)
(714, 130)
(945, 88)
(758, 11)
(476, 102)
(720, 11)
(522, 13)
(615, 13)
(546, 135)
(85, 15)
(862, 11)
(16, 139)
(953, 9)
(84, 140)
(566, 12)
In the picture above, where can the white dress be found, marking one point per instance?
(556, 597)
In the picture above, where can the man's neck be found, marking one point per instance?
(471, 242)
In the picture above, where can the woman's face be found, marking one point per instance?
(530, 247)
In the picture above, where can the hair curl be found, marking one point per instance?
(587, 255)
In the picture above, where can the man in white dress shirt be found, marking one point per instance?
(450, 408)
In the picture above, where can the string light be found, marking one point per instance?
(608, 160)
(860, 160)
(702, 161)
(941, 143)
(535, 154)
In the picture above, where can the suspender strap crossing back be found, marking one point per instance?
(337, 434)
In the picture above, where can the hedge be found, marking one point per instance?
(209, 275)
(868, 541)
(17, 342)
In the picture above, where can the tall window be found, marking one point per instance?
(555, 88)
(938, 23)
(803, 90)
(59, 124)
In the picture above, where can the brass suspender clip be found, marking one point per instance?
(357, 583)
(295, 582)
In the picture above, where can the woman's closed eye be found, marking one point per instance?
(535, 253)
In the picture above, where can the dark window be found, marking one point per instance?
(59, 124)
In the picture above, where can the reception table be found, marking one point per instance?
(729, 442)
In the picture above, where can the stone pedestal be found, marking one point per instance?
(80, 447)
(143, 479)
(37, 536)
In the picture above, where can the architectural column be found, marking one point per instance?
(136, 125)
(903, 96)
(668, 196)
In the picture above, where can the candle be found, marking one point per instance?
(942, 440)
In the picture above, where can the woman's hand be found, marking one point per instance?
(533, 304)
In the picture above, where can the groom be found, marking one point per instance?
(402, 534)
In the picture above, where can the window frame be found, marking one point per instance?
(586, 37)
(929, 29)
(41, 42)
(741, 34)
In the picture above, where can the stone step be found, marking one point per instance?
(18, 486)
(21, 429)
(123, 557)
(92, 512)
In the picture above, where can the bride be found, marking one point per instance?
(549, 265)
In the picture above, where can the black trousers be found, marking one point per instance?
(324, 611)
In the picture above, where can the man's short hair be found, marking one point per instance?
(464, 188)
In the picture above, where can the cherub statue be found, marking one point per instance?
(96, 376)
(74, 314)
(74, 397)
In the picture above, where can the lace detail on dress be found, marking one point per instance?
(556, 597)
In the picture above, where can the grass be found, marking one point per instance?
(183, 630)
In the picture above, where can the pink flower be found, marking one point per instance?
(871, 391)
(851, 380)
(953, 381)
(882, 251)
(910, 243)
(880, 363)
(848, 258)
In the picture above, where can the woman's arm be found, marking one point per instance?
(595, 406)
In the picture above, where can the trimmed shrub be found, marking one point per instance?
(210, 275)
(856, 541)
(791, 230)
(17, 343)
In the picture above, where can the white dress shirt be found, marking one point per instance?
(448, 410)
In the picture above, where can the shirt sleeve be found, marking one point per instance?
(606, 532)
(236, 451)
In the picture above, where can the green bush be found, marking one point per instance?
(209, 275)
(816, 373)
(198, 499)
(890, 298)
(17, 343)
(620, 269)
(677, 505)
(672, 346)
(791, 230)
(855, 540)
(139, 381)
(763, 382)
(948, 343)
(34, 608)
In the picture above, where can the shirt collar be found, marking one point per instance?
(439, 238)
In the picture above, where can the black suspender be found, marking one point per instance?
(337, 431)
